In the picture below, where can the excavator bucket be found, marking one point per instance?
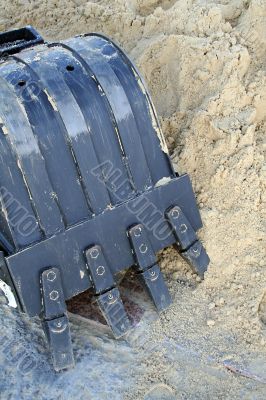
(87, 188)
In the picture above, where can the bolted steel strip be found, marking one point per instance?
(183, 231)
(154, 281)
(53, 296)
(146, 264)
(197, 257)
(143, 251)
(190, 247)
(59, 338)
(55, 320)
(108, 296)
(100, 274)
(113, 310)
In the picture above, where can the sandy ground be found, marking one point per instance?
(205, 64)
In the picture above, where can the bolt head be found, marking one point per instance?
(94, 253)
(175, 213)
(51, 276)
(143, 248)
(100, 270)
(183, 228)
(54, 295)
(196, 251)
(137, 231)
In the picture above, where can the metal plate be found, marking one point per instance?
(66, 249)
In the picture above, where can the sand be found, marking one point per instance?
(205, 65)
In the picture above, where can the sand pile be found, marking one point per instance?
(205, 64)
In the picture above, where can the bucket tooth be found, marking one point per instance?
(188, 244)
(154, 281)
(107, 294)
(113, 310)
(146, 265)
(55, 320)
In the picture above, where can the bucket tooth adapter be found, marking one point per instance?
(87, 188)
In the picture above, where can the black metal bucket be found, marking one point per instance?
(87, 188)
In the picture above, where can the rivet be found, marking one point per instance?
(183, 228)
(100, 270)
(137, 231)
(175, 213)
(54, 295)
(196, 251)
(59, 324)
(143, 248)
(94, 253)
(51, 276)
(110, 296)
